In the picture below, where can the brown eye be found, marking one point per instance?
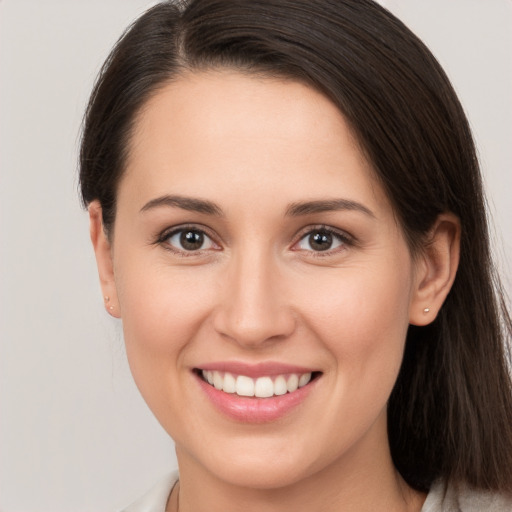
(189, 240)
(320, 240)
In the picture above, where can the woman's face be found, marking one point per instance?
(252, 240)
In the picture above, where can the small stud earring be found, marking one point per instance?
(107, 300)
(426, 310)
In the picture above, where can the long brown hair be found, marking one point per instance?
(450, 413)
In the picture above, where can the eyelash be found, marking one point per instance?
(163, 239)
(344, 239)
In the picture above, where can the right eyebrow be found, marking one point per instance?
(185, 203)
(326, 205)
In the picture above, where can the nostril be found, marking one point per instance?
(253, 327)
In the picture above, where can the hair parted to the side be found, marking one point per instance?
(450, 413)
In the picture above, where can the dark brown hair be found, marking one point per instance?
(450, 413)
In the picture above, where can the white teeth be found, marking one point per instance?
(280, 386)
(218, 380)
(244, 386)
(292, 383)
(262, 387)
(304, 379)
(229, 385)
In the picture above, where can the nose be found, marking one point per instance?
(254, 308)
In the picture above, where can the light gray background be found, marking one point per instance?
(74, 434)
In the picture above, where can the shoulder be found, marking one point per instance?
(155, 500)
(464, 499)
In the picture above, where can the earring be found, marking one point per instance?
(426, 310)
(107, 300)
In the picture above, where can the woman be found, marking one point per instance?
(288, 216)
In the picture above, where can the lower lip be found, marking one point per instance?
(255, 410)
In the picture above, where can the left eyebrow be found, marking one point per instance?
(190, 204)
(328, 205)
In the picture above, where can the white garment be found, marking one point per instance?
(437, 500)
(155, 500)
(467, 500)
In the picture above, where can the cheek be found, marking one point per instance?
(162, 312)
(362, 322)
(362, 318)
(159, 303)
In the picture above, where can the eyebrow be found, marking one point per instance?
(329, 205)
(185, 203)
(293, 210)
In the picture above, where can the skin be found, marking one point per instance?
(259, 292)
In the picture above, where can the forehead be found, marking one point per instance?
(227, 128)
(247, 99)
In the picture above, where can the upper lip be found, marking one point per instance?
(269, 368)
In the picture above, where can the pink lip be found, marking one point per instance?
(252, 409)
(254, 371)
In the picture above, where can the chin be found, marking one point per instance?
(262, 474)
(258, 463)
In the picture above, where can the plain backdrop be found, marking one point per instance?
(75, 436)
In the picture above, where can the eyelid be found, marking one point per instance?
(346, 239)
(164, 235)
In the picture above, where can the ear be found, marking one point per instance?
(435, 269)
(103, 251)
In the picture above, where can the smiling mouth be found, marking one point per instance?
(261, 387)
